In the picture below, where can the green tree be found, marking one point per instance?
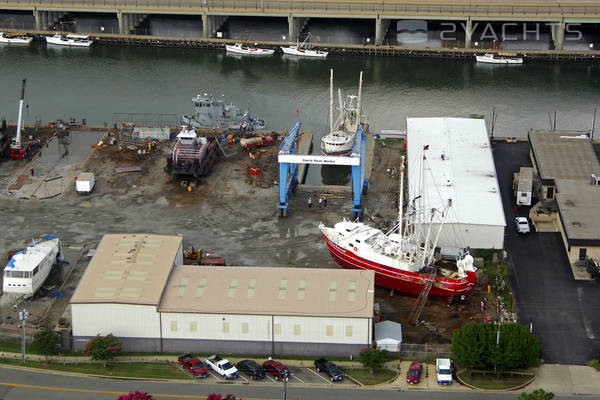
(103, 348)
(47, 342)
(538, 394)
(486, 346)
(372, 359)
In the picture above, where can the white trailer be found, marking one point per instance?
(84, 183)
(524, 186)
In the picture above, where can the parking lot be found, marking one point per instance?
(299, 376)
(563, 312)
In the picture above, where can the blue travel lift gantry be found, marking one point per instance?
(288, 168)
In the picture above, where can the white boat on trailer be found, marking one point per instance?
(340, 139)
(15, 38)
(70, 40)
(27, 270)
(490, 58)
(304, 49)
(240, 48)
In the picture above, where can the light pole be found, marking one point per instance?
(23, 315)
(285, 381)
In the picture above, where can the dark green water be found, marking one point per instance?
(97, 82)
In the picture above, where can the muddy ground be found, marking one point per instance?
(224, 214)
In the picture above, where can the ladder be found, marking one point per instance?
(221, 147)
(422, 299)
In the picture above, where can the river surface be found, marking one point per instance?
(98, 82)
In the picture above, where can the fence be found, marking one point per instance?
(425, 352)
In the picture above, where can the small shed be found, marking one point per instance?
(388, 335)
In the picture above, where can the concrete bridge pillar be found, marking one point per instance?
(43, 20)
(468, 33)
(558, 35)
(295, 27)
(211, 25)
(381, 28)
(38, 19)
(120, 17)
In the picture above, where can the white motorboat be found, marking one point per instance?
(28, 269)
(14, 39)
(70, 40)
(340, 139)
(304, 49)
(490, 58)
(240, 48)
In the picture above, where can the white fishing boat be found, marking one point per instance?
(340, 139)
(303, 49)
(15, 38)
(70, 40)
(490, 58)
(240, 48)
(28, 269)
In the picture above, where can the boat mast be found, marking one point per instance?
(401, 197)
(331, 101)
(444, 215)
(20, 120)
(360, 96)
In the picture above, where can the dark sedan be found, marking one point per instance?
(251, 368)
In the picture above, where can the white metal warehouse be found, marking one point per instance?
(136, 289)
(459, 166)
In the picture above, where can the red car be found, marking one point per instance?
(277, 369)
(414, 372)
(194, 365)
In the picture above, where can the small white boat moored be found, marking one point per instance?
(69, 40)
(15, 38)
(490, 58)
(304, 49)
(240, 48)
(28, 269)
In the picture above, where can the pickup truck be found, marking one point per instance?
(194, 365)
(522, 225)
(222, 367)
(443, 368)
(330, 368)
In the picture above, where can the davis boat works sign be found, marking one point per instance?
(317, 159)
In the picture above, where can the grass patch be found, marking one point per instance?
(130, 370)
(491, 381)
(595, 364)
(363, 375)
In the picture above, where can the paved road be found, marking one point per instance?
(25, 384)
(564, 311)
(534, 8)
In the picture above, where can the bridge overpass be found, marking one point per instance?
(215, 12)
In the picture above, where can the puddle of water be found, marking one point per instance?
(67, 148)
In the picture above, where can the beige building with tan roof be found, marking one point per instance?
(136, 288)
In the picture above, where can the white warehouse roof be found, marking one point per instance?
(459, 166)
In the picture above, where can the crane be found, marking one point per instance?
(18, 149)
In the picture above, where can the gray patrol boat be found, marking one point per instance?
(212, 113)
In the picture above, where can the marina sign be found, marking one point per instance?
(318, 159)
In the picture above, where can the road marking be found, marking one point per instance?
(241, 376)
(295, 377)
(586, 323)
(319, 375)
(215, 375)
(272, 380)
(61, 389)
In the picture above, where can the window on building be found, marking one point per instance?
(297, 330)
(193, 326)
(225, 327)
(349, 330)
(277, 329)
(244, 327)
(329, 330)
(583, 253)
(550, 193)
(173, 326)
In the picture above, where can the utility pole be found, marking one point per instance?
(285, 381)
(23, 315)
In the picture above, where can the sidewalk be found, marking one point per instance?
(555, 378)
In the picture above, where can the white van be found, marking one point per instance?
(443, 369)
